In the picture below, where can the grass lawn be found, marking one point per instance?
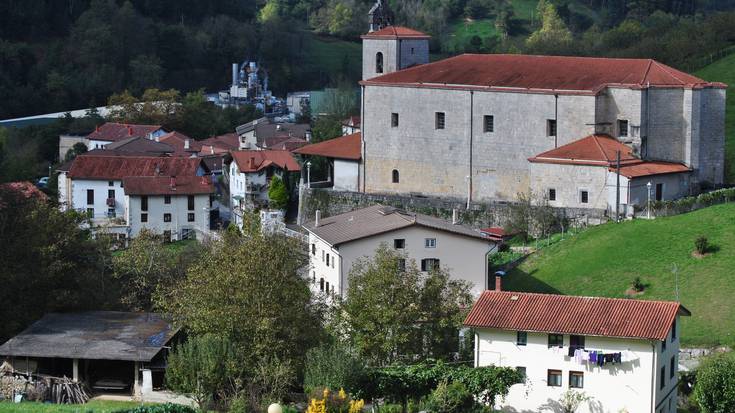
(94, 406)
(723, 70)
(330, 54)
(604, 261)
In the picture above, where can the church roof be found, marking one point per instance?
(396, 32)
(575, 75)
(592, 150)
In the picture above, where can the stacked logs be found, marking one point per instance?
(60, 390)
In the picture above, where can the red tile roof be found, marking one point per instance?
(177, 140)
(561, 314)
(648, 168)
(118, 167)
(166, 185)
(592, 150)
(114, 132)
(396, 32)
(585, 75)
(344, 147)
(229, 141)
(253, 161)
(353, 121)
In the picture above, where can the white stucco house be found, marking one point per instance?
(249, 174)
(336, 242)
(343, 155)
(621, 353)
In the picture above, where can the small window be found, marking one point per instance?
(327, 259)
(379, 62)
(429, 264)
(663, 346)
(401, 265)
(167, 199)
(584, 197)
(663, 377)
(672, 367)
(521, 338)
(659, 192)
(110, 183)
(166, 217)
(439, 120)
(622, 128)
(552, 194)
(326, 288)
(553, 378)
(313, 249)
(190, 202)
(90, 212)
(488, 123)
(190, 217)
(395, 178)
(334, 259)
(399, 243)
(111, 213)
(576, 342)
(430, 242)
(556, 340)
(313, 277)
(551, 127)
(522, 370)
(143, 217)
(144, 203)
(323, 252)
(394, 120)
(111, 193)
(673, 331)
(321, 284)
(412, 50)
(576, 380)
(167, 236)
(90, 196)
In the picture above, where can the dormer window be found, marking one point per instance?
(379, 62)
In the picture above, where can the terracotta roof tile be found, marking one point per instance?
(561, 314)
(592, 150)
(228, 141)
(113, 132)
(541, 73)
(344, 147)
(118, 167)
(166, 185)
(648, 168)
(253, 161)
(177, 140)
(396, 32)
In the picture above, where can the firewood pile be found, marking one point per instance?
(37, 387)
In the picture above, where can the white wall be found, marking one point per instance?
(569, 181)
(79, 189)
(239, 187)
(346, 175)
(178, 208)
(464, 257)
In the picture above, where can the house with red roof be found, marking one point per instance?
(107, 133)
(621, 353)
(249, 174)
(474, 126)
(343, 155)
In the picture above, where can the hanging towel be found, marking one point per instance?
(585, 356)
(593, 357)
(578, 355)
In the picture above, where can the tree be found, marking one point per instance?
(715, 387)
(76, 150)
(392, 309)
(277, 193)
(553, 34)
(571, 400)
(334, 366)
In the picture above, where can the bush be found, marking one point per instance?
(701, 244)
(277, 193)
(332, 366)
(451, 398)
(638, 284)
(326, 401)
(715, 387)
(160, 408)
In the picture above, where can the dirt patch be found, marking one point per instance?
(699, 256)
(632, 292)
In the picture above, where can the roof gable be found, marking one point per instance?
(561, 314)
(253, 161)
(591, 150)
(343, 147)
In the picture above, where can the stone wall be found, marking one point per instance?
(480, 214)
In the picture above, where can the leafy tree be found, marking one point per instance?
(334, 366)
(553, 34)
(277, 193)
(715, 387)
(451, 398)
(76, 150)
(392, 309)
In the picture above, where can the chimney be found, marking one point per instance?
(211, 150)
(251, 163)
(173, 182)
(158, 170)
(130, 131)
(455, 216)
(97, 128)
(499, 280)
(318, 218)
(186, 143)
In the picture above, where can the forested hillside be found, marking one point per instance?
(69, 54)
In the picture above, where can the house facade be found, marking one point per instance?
(582, 344)
(337, 242)
(343, 155)
(465, 127)
(264, 133)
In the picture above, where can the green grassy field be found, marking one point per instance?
(93, 406)
(331, 54)
(604, 261)
(723, 70)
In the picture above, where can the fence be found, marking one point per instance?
(692, 203)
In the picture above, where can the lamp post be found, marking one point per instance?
(308, 174)
(648, 209)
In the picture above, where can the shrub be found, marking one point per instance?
(326, 401)
(332, 366)
(277, 193)
(701, 244)
(638, 284)
(451, 398)
(160, 408)
(715, 387)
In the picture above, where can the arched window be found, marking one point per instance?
(395, 176)
(379, 62)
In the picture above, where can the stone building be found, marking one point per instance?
(465, 127)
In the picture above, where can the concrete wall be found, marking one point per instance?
(708, 156)
(66, 142)
(413, 52)
(346, 175)
(370, 47)
(612, 388)
(178, 208)
(464, 257)
(569, 181)
(667, 122)
(674, 186)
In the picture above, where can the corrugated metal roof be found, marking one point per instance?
(378, 219)
(344, 147)
(562, 314)
(94, 335)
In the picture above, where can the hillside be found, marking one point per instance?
(723, 70)
(604, 261)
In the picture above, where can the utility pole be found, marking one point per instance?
(617, 189)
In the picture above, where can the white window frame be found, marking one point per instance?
(429, 242)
